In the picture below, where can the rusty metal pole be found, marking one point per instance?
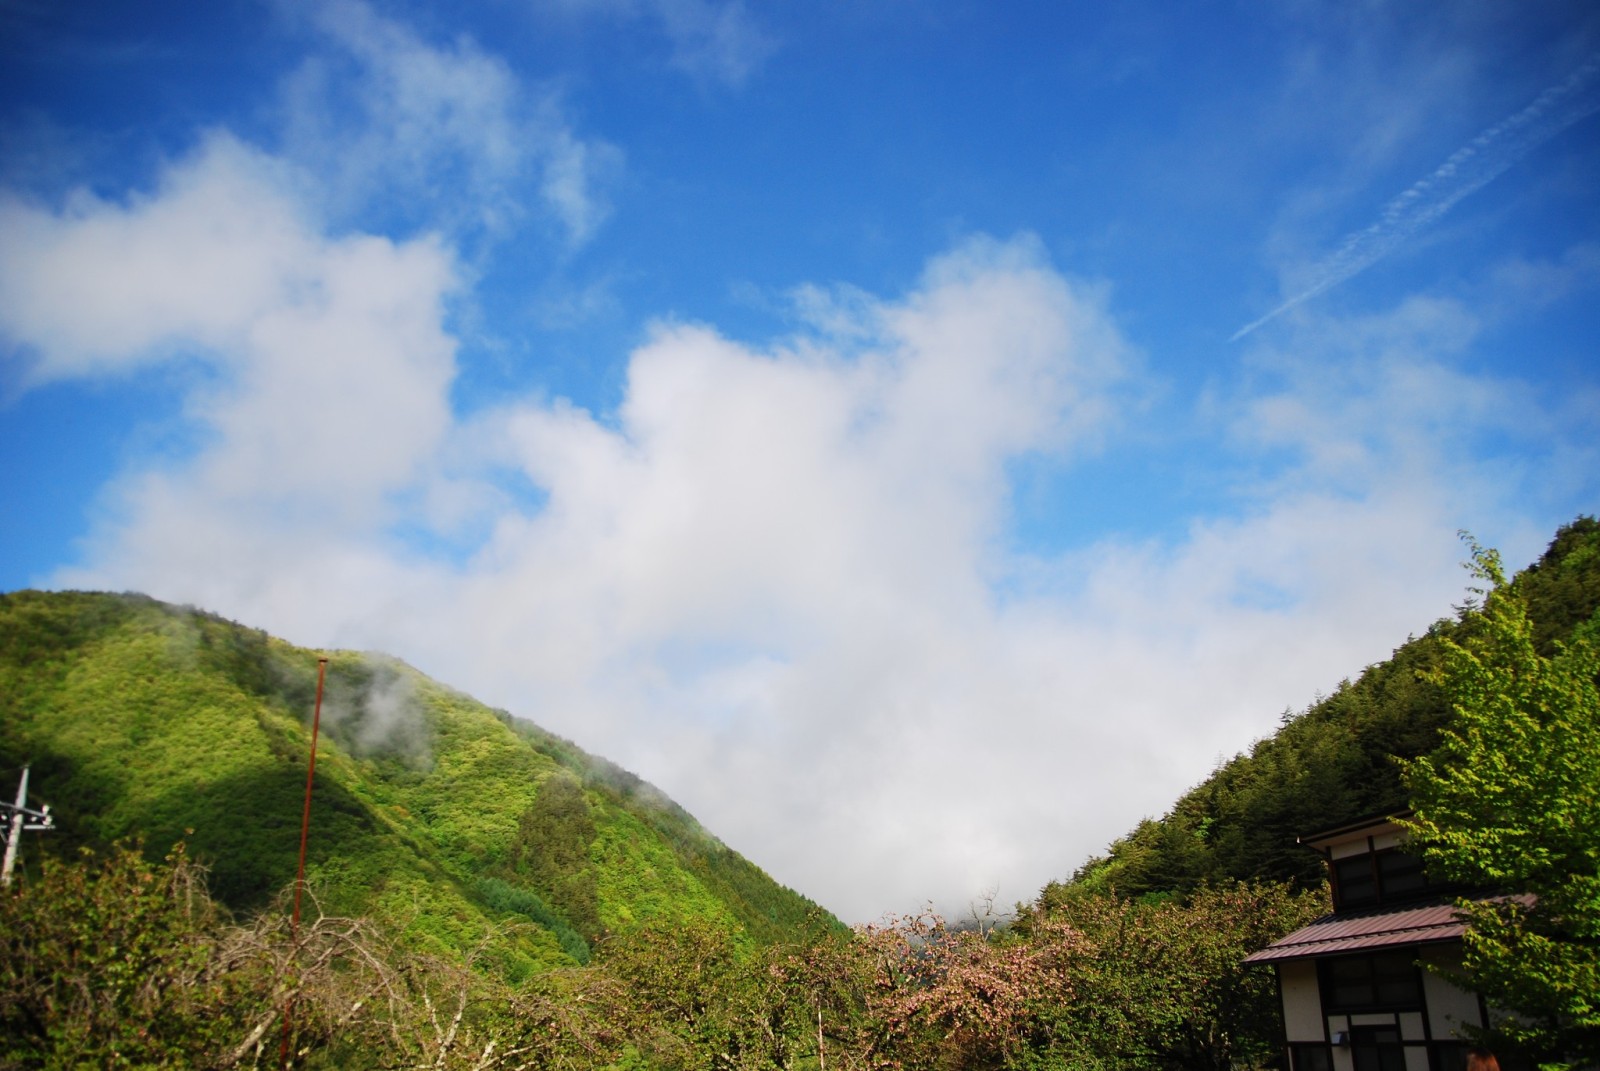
(300, 872)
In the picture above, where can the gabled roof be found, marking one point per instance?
(1333, 934)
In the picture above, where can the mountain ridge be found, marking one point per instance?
(143, 719)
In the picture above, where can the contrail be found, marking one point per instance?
(1468, 170)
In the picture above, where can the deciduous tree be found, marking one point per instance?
(1160, 982)
(1511, 801)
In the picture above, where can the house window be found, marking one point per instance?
(1310, 1057)
(1381, 982)
(1377, 1048)
(1387, 876)
(1357, 881)
(1400, 875)
(1450, 1056)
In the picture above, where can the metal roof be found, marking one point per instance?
(1333, 934)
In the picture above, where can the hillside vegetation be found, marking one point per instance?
(432, 813)
(1335, 761)
(490, 897)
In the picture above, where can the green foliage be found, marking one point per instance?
(504, 898)
(118, 962)
(125, 963)
(108, 963)
(144, 719)
(765, 910)
(1163, 981)
(1510, 800)
(551, 848)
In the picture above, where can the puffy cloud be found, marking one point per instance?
(329, 368)
(736, 483)
(99, 285)
(777, 579)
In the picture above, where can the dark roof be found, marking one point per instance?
(1342, 933)
(1335, 934)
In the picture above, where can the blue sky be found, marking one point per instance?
(923, 439)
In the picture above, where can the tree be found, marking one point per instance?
(108, 965)
(117, 962)
(1510, 801)
(948, 998)
(551, 848)
(1162, 980)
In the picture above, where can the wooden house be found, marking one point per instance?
(1357, 989)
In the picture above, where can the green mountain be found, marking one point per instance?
(432, 813)
(1335, 761)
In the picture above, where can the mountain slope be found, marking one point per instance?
(431, 812)
(1333, 762)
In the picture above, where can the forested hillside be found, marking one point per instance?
(431, 811)
(1336, 760)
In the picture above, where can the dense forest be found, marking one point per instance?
(485, 895)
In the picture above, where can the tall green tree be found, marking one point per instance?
(1510, 801)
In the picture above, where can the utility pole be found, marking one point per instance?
(300, 874)
(18, 818)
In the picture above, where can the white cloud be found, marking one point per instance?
(100, 285)
(331, 365)
(448, 130)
